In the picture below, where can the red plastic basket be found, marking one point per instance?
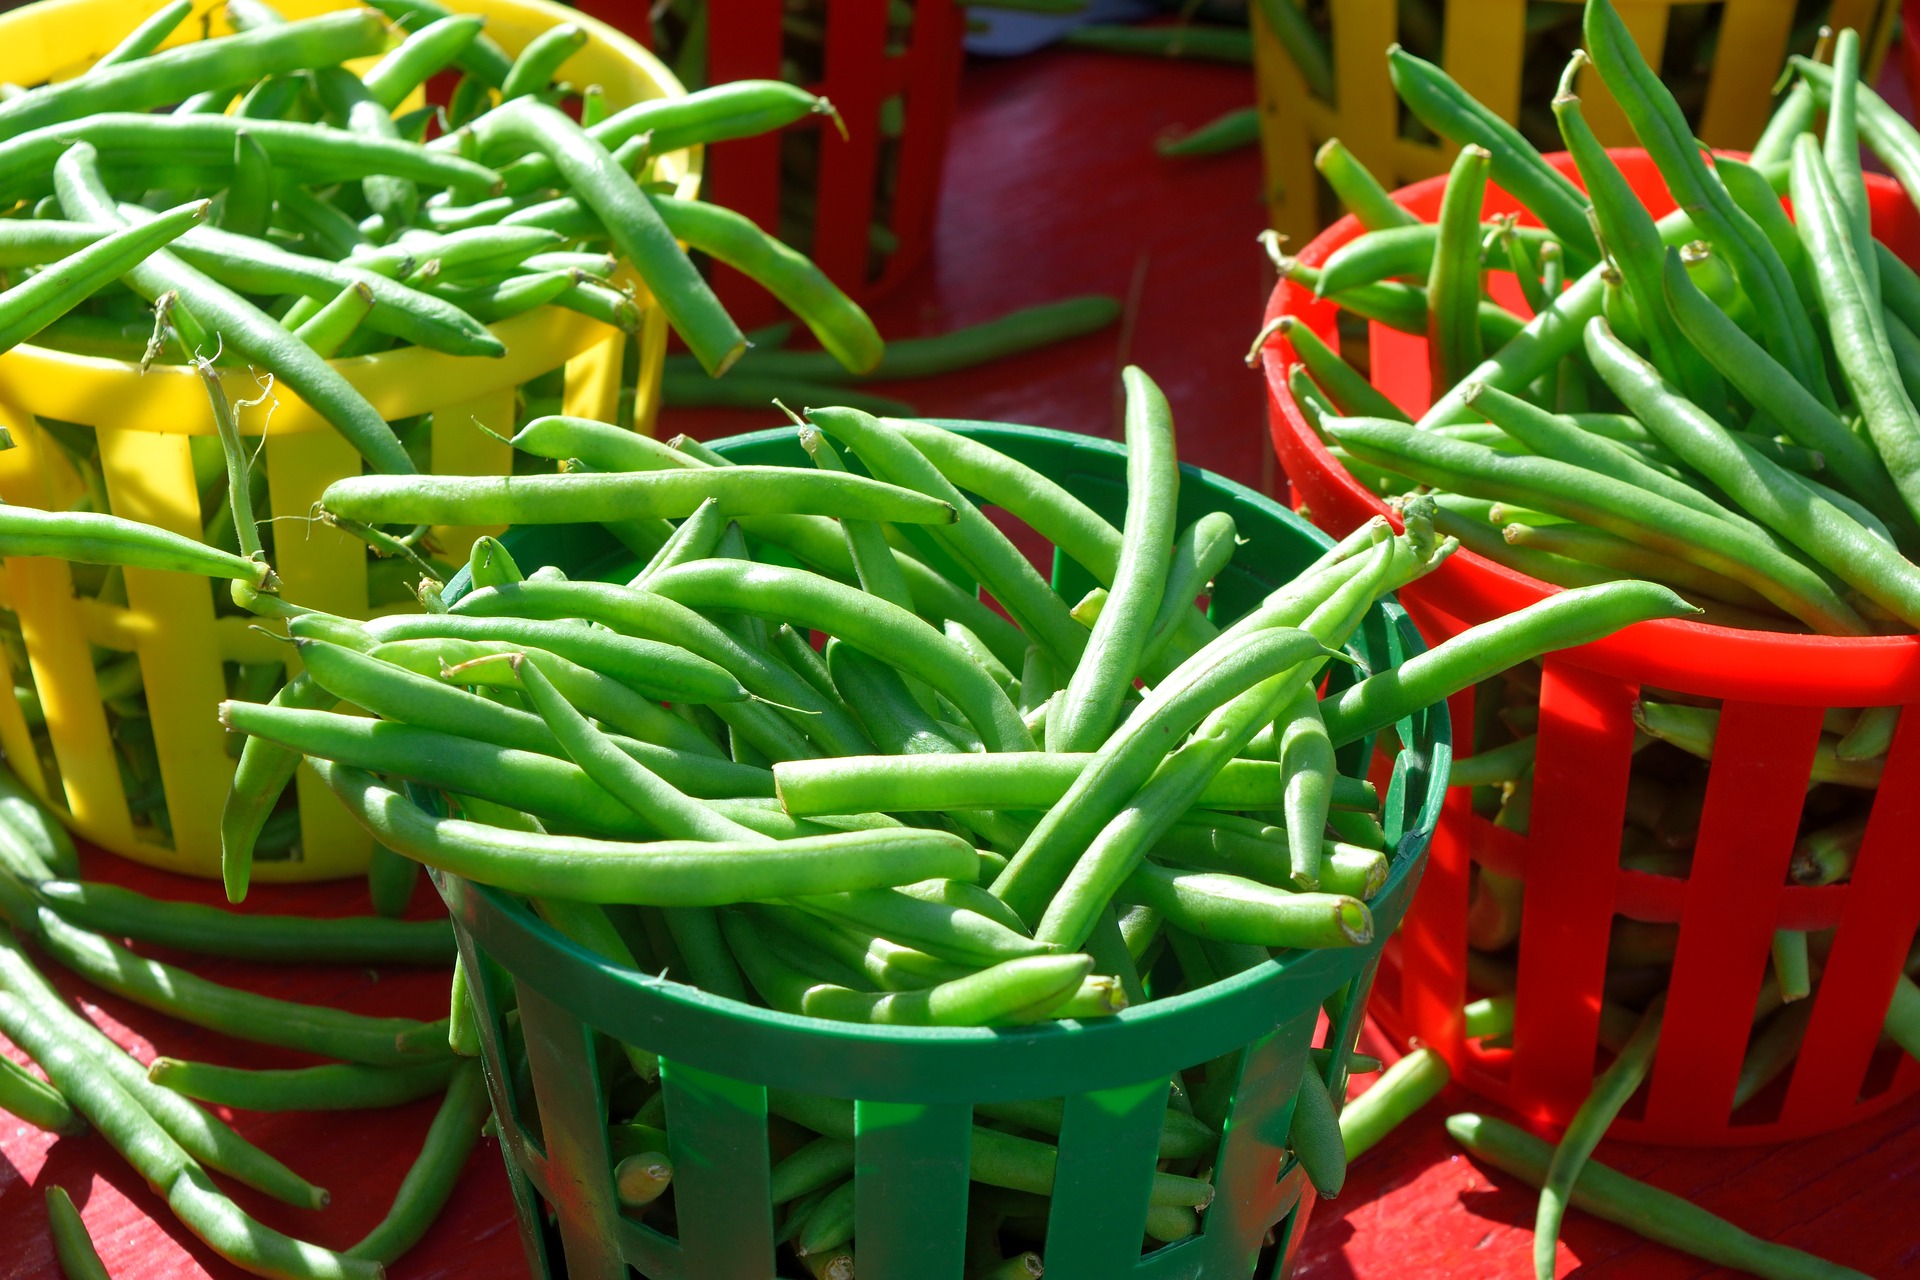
(1774, 688)
(745, 41)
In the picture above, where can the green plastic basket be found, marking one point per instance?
(915, 1088)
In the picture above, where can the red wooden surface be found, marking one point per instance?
(1052, 189)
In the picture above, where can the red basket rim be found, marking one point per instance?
(1693, 656)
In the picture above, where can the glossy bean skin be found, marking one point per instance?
(1827, 534)
(564, 499)
(430, 1181)
(426, 50)
(1657, 1215)
(883, 630)
(1561, 621)
(244, 327)
(172, 74)
(161, 1162)
(668, 873)
(1657, 121)
(635, 224)
(1105, 672)
(201, 1135)
(332, 1087)
(1605, 503)
(143, 40)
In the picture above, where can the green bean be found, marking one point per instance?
(123, 913)
(635, 224)
(980, 547)
(1621, 509)
(337, 321)
(1406, 1086)
(1611, 1091)
(1765, 382)
(1200, 552)
(333, 1087)
(737, 109)
(1560, 621)
(1226, 132)
(820, 1163)
(1369, 202)
(1453, 283)
(1562, 438)
(641, 1179)
(1405, 250)
(682, 389)
(1633, 244)
(29, 1098)
(1229, 908)
(480, 58)
(657, 617)
(1346, 386)
(1105, 672)
(1841, 151)
(27, 822)
(1021, 990)
(540, 61)
(1692, 729)
(1828, 535)
(208, 1004)
(257, 266)
(143, 40)
(160, 1161)
(109, 540)
(1246, 847)
(565, 499)
(205, 1138)
(1450, 111)
(1305, 47)
(1015, 332)
(1307, 768)
(251, 332)
(881, 629)
(430, 1181)
(663, 672)
(1315, 1135)
(426, 50)
(1646, 1210)
(34, 303)
(310, 152)
(71, 1243)
(1657, 121)
(1218, 44)
(956, 934)
(171, 74)
(1860, 339)
(1793, 117)
(667, 873)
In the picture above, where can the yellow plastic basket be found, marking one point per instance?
(143, 425)
(1483, 46)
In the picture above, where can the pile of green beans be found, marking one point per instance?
(937, 815)
(151, 1114)
(1722, 402)
(249, 199)
(1690, 41)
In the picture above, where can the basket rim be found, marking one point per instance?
(1474, 582)
(898, 1063)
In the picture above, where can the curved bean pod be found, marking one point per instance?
(666, 873)
(333, 1087)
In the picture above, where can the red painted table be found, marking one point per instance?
(1053, 189)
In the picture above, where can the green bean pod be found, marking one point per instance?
(332, 1087)
(667, 873)
(1648, 1211)
(566, 499)
(1558, 622)
(431, 1179)
(1453, 283)
(136, 44)
(1605, 503)
(172, 74)
(29, 1098)
(1369, 202)
(635, 224)
(1403, 1089)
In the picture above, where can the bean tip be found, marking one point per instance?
(1356, 922)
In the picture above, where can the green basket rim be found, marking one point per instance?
(884, 1063)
